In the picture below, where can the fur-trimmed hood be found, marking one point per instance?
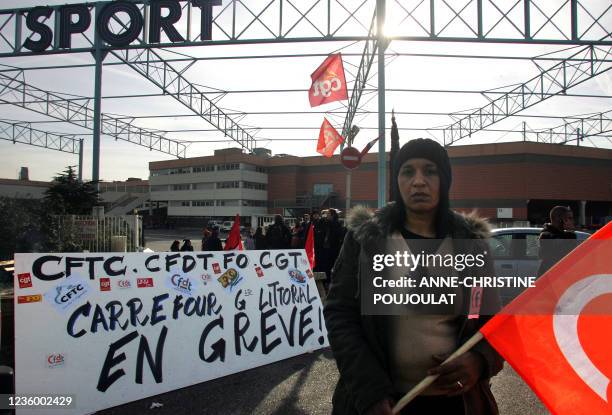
(367, 226)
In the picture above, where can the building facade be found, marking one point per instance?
(218, 186)
(511, 183)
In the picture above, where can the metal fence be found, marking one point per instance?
(101, 234)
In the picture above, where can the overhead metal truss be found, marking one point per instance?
(370, 51)
(14, 90)
(553, 81)
(173, 83)
(22, 132)
(575, 130)
(274, 21)
(151, 65)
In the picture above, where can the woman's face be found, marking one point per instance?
(419, 185)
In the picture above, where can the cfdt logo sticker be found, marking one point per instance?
(182, 283)
(297, 277)
(25, 280)
(230, 279)
(124, 284)
(55, 360)
(105, 284)
(144, 282)
(63, 296)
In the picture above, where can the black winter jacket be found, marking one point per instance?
(355, 339)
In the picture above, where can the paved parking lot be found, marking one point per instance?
(300, 385)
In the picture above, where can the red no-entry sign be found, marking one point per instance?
(350, 157)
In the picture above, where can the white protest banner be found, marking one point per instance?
(111, 328)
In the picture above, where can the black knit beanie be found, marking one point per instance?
(426, 148)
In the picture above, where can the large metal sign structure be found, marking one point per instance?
(132, 30)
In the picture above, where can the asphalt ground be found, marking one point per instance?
(300, 385)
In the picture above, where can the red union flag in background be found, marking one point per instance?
(309, 247)
(329, 139)
(234, 240)
(558, 335)
(328, 82)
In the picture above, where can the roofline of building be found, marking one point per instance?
(458, 151)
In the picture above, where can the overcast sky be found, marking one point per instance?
(120, 160)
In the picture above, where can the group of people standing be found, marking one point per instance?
(177, 247)
(328, 234)
(210, 242)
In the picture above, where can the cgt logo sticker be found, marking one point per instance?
(65, 295)
(24, 280)
(182, 283)
(55, 360)
(25, 299)
(144, 282)
(105, 284)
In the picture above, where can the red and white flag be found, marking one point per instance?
(328, 82)
(329, 139)
(557, 335)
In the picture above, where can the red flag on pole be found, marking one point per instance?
(329, 139)
(557, 335)
(310, 252)
(234, 240)
(328, 82)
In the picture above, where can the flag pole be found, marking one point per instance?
(425, 383)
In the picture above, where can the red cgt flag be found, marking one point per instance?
(234, 240)
(328, 82)
(310, 252)
(329, 139)
(557, 336)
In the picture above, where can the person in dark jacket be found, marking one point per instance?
(213, 243)
(557, 238)
(187, 247)
(278, 235)
(205, 235)
(333, 237)
(303, 233)
(260, 239)
(175, 247)
(381, 357)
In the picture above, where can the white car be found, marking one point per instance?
(516, 252)
(227, 226)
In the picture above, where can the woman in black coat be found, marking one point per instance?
(381, 357)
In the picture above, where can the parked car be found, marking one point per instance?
(227, 226)
(212, 224)
(515, 253)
